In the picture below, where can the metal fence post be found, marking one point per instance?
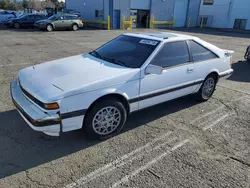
(109, 24)
(188, 24)
(147, 22)
(202, 20)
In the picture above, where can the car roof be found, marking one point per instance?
(65, 14)
(160, 36)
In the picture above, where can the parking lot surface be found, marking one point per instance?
(181, 143)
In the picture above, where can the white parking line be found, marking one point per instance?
(115, 164)
(215, 122)
(207, 114)
(218, 109)
(146, 166)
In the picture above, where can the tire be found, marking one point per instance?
(75, 27)
(208, 87)
(98, 127)
(49, 28)
(17, 25)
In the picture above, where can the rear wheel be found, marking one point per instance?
(105, 119)
(208, 87)
(75, 27)
(49, 28)
(17, 25)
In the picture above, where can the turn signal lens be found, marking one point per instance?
(51, 106)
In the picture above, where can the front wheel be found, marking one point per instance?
(49, 28)
(17, 25)
(105, 119)
(208, 87)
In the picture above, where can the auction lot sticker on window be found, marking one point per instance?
(149, 42)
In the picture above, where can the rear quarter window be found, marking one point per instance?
(199, 52)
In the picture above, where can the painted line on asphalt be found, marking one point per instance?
(115, 164)
(207, 114)
(218, 109)
(215, 122)
(147, 165)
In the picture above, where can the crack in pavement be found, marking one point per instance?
(240, 161)
(35, 181)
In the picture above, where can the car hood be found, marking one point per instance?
(69, 76)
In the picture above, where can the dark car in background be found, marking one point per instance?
(60, 22)
(25, 21)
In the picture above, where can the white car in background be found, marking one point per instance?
(96, 91)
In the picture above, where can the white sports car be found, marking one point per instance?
(96, 91)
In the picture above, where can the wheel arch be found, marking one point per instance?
(117, 96)
(215, 73)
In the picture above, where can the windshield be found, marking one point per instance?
(126, 51)
(53, 17)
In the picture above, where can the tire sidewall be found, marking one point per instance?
(73, 27)
(200, 92)
(48, 29)
(15, 24)
(92, 112)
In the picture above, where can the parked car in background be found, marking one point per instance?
(25, 21)
(9, 20)
(4, 15)
(60, 22)
(97, 91)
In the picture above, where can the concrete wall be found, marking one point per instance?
(140, 4)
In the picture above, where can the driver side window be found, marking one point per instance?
(172, 54)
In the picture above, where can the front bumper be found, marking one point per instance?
(37, 119)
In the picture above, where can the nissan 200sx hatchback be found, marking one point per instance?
(97, 91)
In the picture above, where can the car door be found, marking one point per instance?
(177, 78)
(68, 21)
(59, 22)
(30, 20)
(25, 21)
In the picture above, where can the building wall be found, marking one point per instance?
(240, 10)
(123, 6)
(222, 13)
(140, 4)
(87, 8)
(162, 10)
(193, 12)
(219, 12)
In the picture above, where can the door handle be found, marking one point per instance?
(190, 70)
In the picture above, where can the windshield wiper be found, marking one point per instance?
(115, 61)
(95, 53)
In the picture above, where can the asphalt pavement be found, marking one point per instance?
(181, 143)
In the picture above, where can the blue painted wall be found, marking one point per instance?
(224, 12)
(140, 4)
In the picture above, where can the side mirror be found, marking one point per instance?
(153, 69)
